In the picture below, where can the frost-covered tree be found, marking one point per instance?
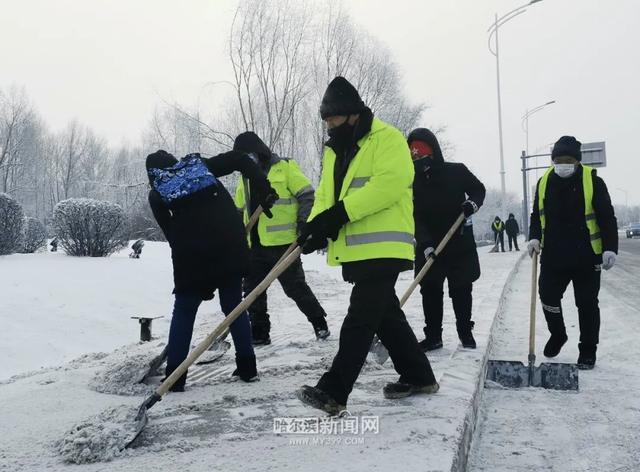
(87, 227)
(34, 236)
(11, 222)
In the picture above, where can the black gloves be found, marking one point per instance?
(313, 244)
(265, 195)
(469, 207)
(325, 225)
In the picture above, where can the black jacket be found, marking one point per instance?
(439, 190)
(205, 231)
(566, 238)
(511, 227)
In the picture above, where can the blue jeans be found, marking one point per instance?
(184, 315)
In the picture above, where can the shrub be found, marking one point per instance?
(11, 222)
(34, 236)
(86, 227)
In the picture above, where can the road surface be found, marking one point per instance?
(596, 429)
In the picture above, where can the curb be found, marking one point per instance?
(468, 427)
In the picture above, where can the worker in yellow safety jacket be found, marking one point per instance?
(271, 237)
(574, 225)
(363, 214)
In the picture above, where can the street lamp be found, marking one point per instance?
(525, 120)
(493, 30)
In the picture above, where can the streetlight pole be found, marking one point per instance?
(493, 30)
(525, 119)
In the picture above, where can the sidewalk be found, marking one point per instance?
(223, 425)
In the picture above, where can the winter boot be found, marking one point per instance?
(316, 398)
(178, 386)
(401, 390)
(465, 335)
(246, 368)
(432, 340)
(260, 333)
(587, 356)
(320, 328)
(554, 344)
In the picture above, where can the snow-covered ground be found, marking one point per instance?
(55, 308)
(595, 429)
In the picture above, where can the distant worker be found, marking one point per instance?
(136, 249)
(574, 225)
(498, 233)
(54, 245)
(513, 230)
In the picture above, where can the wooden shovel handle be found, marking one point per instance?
(534, 296)
(253, 219)
(430, 260)
(237, 311)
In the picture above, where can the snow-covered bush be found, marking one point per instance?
(86, 227)
(34, 236)
(11, 221)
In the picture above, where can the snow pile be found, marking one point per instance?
(124, 369)
(99, 438)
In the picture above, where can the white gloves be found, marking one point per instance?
(533, 246)
(428, 252)
(608, 260)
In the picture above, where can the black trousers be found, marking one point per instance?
(460, 270)
(292, 281)
(586, 286)
(500, 240)
(514, 238)
(374, 308)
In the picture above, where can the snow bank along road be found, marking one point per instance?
(596, 429)
(218, 424)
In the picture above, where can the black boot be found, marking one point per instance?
(432, 340)
(401, 390)
(466, 336)
(587, 357)
(246, 368)
(179, 384)
(320, 328)
(554, 344)
(260, 333)
(316, 398)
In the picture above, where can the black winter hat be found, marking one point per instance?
(567, 146)
(251, 142)
(341, 99)
(160, 160)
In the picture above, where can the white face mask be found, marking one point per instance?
(564, 170)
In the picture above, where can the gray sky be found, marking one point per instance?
(109, 62)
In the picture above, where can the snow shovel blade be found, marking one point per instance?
(141, 420)
(556, 376)
(215, 352)
(510, 374)
(378, 352)
(152, 369)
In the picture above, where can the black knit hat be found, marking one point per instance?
(567, 146)
(341, 99)
(251, 142)
(160, 160)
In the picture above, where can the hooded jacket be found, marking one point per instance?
(204, 230)
(511, 226)
(439, 190)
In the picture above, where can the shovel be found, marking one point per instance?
(141, 419)
(220, 346)
(551, 375)
(378, 350)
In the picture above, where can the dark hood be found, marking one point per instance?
(159, 160)
(423, 134)
(250, 142)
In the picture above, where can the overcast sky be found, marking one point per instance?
(108, 63)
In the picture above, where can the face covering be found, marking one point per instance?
(564, 170)
(341, 133)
